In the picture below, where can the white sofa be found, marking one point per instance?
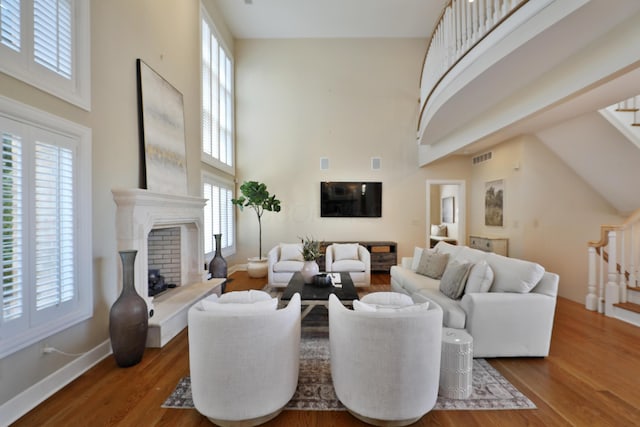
(514, 317)
(351, 258)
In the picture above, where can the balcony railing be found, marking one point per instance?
(462, 25)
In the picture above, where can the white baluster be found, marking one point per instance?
(591, 302)
(601, 281)
(496, 11)
(612, 290)
(482, 18)
(633, 257)
(458, 29)
(452, 36)
(623, 267)
(463, 26)
(473, 14)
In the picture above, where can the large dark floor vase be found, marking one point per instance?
(218, 265)
(128, 318)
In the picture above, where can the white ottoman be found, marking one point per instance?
(456, 364)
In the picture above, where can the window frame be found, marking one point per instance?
(205, 157)
(31, 122)
(23, 66)
(228, 184)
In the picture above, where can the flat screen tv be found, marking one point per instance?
(351, 199)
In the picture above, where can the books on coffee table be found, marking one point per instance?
(335, 279)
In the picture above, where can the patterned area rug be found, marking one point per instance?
(491, 391)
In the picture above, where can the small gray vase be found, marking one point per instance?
(218, 265)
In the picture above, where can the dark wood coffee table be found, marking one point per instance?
(312, 295)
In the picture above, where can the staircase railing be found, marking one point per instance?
(462, 25)
(625, 116)
(614, 262)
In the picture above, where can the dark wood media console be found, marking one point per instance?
(383, 254)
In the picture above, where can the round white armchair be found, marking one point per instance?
(385, 365)
(244, 359)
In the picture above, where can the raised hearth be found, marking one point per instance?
(139, 212)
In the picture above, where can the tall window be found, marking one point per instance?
(217, 99)
(218, 214)
(46, 237)
(45, 43)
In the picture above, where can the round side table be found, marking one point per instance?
(456, 364)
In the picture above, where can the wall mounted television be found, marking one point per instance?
(351, 199)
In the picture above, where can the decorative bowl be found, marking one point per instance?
(322, 280)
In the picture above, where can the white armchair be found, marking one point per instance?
(284, 260)
(244, 360)
(349, 258)
(385, 366)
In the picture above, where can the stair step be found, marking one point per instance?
(627, 110)
(628, 306)
(633, 294)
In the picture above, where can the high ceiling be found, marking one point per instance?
(330, 18)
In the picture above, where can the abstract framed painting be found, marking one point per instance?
(161, 121)
(494, 203)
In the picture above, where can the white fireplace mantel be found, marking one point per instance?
(139, 211)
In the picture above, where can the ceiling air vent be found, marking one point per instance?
(481, 158)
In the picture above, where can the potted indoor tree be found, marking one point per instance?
(256, 196)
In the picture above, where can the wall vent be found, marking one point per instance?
(481, 158)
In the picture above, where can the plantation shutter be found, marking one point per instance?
(12, 228)
(52, 35)
(54, 237)
(10, 24)
(217, 99)
(206, 89)
(227, 220)
(208, 225)
(218, 215)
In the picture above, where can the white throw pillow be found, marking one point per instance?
(439, 230)
(395, 299)
(244, 297)
(291, 252)
(345, 251)
(417, 253)
(238, 307)
(514, 275)
(480, 278)
(364, 307)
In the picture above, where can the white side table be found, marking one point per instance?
(456, 364)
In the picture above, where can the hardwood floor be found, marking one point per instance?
(591, 378)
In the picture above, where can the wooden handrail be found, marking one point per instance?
(604, 236)
(604, 230)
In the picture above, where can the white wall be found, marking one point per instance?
(549, 212)
(347, 100)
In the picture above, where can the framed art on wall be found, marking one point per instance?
(447, 211)
(161, 117)
(494, 203)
